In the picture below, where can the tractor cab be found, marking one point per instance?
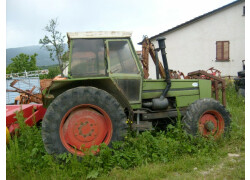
(95, 54)
(111, 55)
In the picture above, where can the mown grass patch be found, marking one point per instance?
(150, 155)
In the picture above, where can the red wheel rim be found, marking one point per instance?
(211, 123)
(84, 126)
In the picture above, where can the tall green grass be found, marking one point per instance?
(26, 157)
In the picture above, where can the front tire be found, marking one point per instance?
(80, 118)
(206, 117)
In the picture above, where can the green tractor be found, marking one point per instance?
(105, 94)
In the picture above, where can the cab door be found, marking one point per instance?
(123, 68)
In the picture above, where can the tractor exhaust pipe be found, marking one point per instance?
(162, 46)
(162, 102)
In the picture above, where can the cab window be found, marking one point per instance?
(121, 58)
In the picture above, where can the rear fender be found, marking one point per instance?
(106, 84)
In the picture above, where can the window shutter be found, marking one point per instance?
(222, 50)
(226, 50)
(219, 50)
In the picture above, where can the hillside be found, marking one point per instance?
(43, 58)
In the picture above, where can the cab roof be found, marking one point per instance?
(99, 34)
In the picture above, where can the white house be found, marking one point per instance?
(215, 39)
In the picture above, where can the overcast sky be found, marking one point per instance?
(26, 19)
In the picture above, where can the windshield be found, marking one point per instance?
(87, 58)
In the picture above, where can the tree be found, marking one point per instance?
(55, 43)
(21, 63)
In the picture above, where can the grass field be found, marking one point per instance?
(151, 155)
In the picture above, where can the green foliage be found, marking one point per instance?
(65, 57)
(53, 72)
(54, 43)
(27, 159)
(134, 151)
(22, 62)
(25, 150)
(236, 106)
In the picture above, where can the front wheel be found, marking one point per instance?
(80, 118)
(206, 117)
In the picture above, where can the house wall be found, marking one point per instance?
(193, 47)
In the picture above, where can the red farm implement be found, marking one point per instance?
(32, 113)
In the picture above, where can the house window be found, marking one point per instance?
(222, 50)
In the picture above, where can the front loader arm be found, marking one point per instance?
(148, 48)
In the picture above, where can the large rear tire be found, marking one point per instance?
(207, 117)
(80, 118)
